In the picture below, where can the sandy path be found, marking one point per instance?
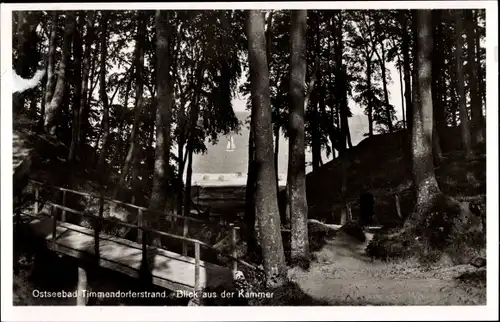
(343, 274)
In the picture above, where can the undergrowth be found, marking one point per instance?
(459, 235)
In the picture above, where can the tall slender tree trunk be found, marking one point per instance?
(405, 47)
(386, 91)
(89, 37)
(476, 109)
(92, 83)
(276, 151)
(438, 109)
(266, 199)
(103, 94)
(341, 82)
(161, 177)
(480, 72)
(52, 109)
(316, 96)
(464, 118)
(180, 176)
(296, 161)
(423, 166)
(249, 229)
(193, 120)
(401, 83)
(139, 100)
(370, 94)
(50, 63)
(77, 52)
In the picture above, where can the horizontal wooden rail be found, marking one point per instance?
(117, 202)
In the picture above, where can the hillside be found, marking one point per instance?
(378, 165)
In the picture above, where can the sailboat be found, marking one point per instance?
(230, 147)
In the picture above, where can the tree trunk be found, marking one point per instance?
(386, 91)
(193, 120)
(163, 116)
(87, 77)
(276, 152)
(464, 119)
(423, 166)
(77, 52)
(480, 77)
(93, 81)
(476, 109)
(438, 108)
(296, 156)
(103, 95)
(249, 229)
(180, 175)
(341, 82)
(139, 100)
(314, 119)
(50, 63)
(370, 95)
(53, 108)
(406, 67)
(266, 201)
(400, 72)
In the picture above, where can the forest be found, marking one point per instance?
(129, 97)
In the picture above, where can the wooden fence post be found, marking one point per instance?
(140, 218)
(63, 214)
(234, 238)
(17, 239)
(196, 267)
(398, 206)
(54, 227)
(37, 195)
(145, 237)
(98, 227)
(81, 299)
(184, 234)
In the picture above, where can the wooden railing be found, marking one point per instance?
(140, 226)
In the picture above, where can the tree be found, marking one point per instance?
(161, 176)
(296, 163)
(103, 94)
(423, 166)
(476, 109)
(428, 194)
(139, 100)
(266, 202)
(53, 108)
(75, 108)
(405, 43)
(50, 62)
(464, 118)
(83, 104)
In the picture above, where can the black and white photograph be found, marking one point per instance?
(251, 155)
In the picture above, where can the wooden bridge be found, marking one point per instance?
(165, 268)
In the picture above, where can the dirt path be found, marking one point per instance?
(343, 274)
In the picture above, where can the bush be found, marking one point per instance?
(455, 231)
